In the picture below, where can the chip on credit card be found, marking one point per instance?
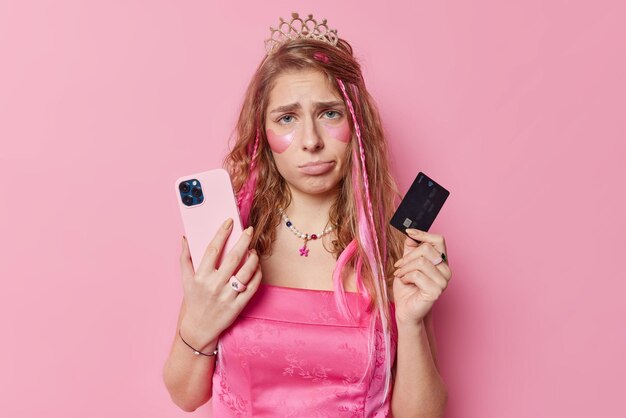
(420, 205)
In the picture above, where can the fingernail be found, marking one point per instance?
(412, 231)
(398, 263)
(227, 223)
(249, 230)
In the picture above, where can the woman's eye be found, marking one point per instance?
(333, 112)
(283, 118)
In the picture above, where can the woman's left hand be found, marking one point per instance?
(421, 276)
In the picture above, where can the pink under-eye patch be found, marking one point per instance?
(279, 143)
(340, 132)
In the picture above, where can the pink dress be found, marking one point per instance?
(291, 354)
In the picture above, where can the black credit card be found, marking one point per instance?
(420, 205)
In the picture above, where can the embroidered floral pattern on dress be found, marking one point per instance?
(300, 367)
(354, 411)
(324, 316)
(235, 403)
(291, 354)
(356, 363)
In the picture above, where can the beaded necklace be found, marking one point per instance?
(304, 251)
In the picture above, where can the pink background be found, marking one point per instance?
(516, 107)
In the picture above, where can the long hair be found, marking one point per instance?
(367, 195)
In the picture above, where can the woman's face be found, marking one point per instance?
(306, 123)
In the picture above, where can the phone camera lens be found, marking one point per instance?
(196, 192)
(184, 187)
(188, 200)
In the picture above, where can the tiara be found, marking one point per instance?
(299, 28)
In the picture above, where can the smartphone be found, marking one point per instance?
(206, 200)
(420, 205)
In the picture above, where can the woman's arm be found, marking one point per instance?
(187, 376)
(210, 305)
(418, 389)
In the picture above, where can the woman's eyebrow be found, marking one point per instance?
(296, 106)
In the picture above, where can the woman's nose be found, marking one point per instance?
(311, 137)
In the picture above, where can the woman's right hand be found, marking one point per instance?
(210, 304)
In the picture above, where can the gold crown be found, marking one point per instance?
(298, 28)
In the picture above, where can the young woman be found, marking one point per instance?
(330, 314)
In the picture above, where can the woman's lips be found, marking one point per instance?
(316, 169)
